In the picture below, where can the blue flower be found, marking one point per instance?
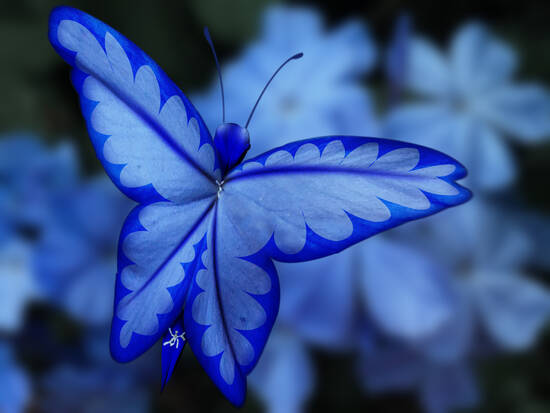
(442, 388)
(406, 293)
(14, 384)
(497, 249)
(318, 95)
(283, 377)
(489, 261)
(31, 176)
(76, 255)
(437, 367)
(397, 57)
(471, 103)
(17, 284)
(398, 287)
(495, 307)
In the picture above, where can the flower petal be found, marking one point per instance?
(283, 378)
(479, 60)
(523, 111)
(428, 71)
(405, 291)
(513, 307)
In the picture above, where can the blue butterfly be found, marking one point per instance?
(196, 255)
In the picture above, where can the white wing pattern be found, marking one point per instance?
(157, 144)
(227, 306)
(157, 254)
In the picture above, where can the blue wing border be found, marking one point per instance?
(317, 246)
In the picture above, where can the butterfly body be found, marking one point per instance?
(197, 252)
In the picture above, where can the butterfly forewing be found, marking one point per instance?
(144, 130)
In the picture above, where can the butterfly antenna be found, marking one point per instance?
(296, 56)
(209, 40)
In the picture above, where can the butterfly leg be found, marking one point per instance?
(171, 350)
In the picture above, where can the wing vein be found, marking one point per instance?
(159, 129)
(172, 253)
(218, 292)
(286, 170)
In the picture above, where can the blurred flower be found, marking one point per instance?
(76, 255)
(472, 103)
(397, 287)
(442, 387)
(397, 57)
(283, 377)
(17, 285)
(497, 307)
(317, 95)
(406, 294)
(307, 287)
(14, 384)
(487, 250)
(145, 370)
(31, 176)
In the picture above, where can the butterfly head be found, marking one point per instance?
(232, 141)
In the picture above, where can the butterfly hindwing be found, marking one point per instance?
(231, 309)
(159, 254)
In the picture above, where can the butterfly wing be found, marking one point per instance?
(232, 305)
(157, 150)
(302, 201)
(145, 131)
(319, 196)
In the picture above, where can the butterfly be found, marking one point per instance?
(196, 256)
